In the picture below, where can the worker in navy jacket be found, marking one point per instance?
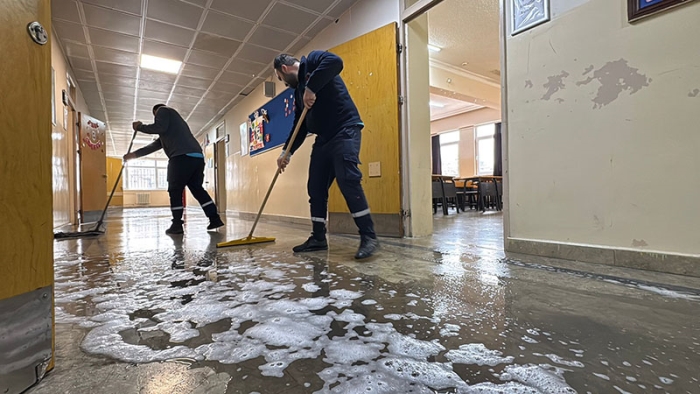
(333, 117)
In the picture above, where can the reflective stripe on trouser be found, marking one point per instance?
(338, 160)
(185, 171)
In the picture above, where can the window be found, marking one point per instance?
(485, 146)
(146, 174)
(449, 153)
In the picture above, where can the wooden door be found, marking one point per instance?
(114, 165)
(371, 74)
(93, 168)
(26, 234)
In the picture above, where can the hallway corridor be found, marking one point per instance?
(141, 312)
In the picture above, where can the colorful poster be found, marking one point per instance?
(270, 125)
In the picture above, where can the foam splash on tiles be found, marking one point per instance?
(310, 287)
(545, 378)
(477, 354)
(562, 361)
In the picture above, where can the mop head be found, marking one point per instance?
(245, 241)
(79, 234)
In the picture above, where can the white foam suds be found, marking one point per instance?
(545, 378)
(310, 287)
(562, 361)
(527, 339)
(621, 390)
(666, 380)
(412, 303)
(602, 376)
(369, 302)
(477, 354)
(626, 364)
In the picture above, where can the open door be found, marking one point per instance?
(26, 234)
(93, 168)
(371, 74)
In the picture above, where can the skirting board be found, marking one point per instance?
(385, 224)
(649, 261)
(270, 218)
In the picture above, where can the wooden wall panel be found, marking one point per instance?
(371, 74)
(26, 214)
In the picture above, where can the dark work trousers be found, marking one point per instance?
(337, 159)
(188, 171)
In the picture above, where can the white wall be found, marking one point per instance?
(603, 128)
(247, 178)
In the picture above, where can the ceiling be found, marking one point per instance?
(443, 107)
(468, 33)
(226, 47)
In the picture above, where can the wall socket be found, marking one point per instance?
(375, 169)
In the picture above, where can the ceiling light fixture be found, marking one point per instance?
(434, 48)
(436, 105)
(160, 64)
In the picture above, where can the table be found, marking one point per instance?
(484, 178)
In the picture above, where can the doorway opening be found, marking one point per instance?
(453, 85)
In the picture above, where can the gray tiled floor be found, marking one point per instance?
(141, 312)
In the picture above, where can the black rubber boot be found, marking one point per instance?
(367, 247)
(215, 223)
(311, 245)
(175, 228)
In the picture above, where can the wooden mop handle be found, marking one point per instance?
(285, 155)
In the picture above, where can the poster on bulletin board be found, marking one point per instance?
(270, 125)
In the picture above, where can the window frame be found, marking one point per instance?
(160, 173)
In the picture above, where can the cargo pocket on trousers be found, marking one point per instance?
(352, 171)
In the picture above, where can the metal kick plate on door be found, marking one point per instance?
(38, 33)
(26, 326)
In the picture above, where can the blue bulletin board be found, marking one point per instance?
(270, 125)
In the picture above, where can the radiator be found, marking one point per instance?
(143, 198)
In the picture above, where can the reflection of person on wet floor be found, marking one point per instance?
(185, 165)
(335, 120)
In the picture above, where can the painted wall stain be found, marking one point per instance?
(554, 84)
(639, 244)
(694, 93)
(589, 69)
(528, 84)
(560, 100)
(615, 78)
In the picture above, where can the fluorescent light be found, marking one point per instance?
(160, 64)
(438, 105)
(434, 48)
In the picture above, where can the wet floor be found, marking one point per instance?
(142, 312)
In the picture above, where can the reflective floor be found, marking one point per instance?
(138, 311)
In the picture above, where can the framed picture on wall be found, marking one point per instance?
(638, 9)
(526, 14)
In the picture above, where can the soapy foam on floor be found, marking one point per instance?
(388, 360)
(477, 354)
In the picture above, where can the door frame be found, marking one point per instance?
(220, 169)
(407, 14)
(74, 133)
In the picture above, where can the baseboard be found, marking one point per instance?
(385, 224)
(269, 217)
(687, 265)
